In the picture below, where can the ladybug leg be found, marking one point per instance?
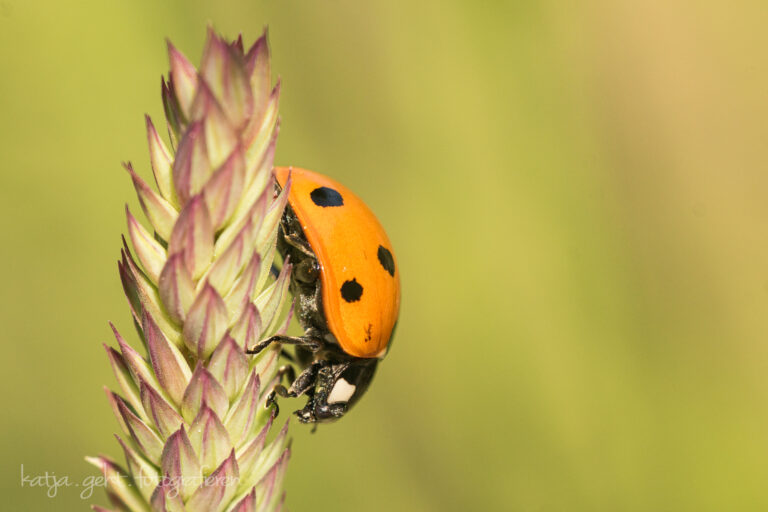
(298, 242)
(317, 408)
(279, 388)
(303, 383)
(299, 385)
(286, 371)
(311, 344)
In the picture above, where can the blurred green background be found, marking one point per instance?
(577, 193)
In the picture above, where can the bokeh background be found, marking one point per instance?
(577, 193)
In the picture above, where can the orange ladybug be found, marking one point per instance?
(347, 284)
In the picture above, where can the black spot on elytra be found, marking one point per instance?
(386, 260)
(351, 291)
(324, 196)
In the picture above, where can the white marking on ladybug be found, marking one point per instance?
(341, 393)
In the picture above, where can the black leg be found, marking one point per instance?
(296, 241)
(310, 344)
(271, 402)
(286, 371)
(304, 383)
(306, 380)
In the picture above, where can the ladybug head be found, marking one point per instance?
(338, 387)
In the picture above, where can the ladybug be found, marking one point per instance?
(347, 285)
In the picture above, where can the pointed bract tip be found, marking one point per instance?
(172, 50)
(237, 44)
(121, 442)
(261, 41)
(116, 333)
(284, 430)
